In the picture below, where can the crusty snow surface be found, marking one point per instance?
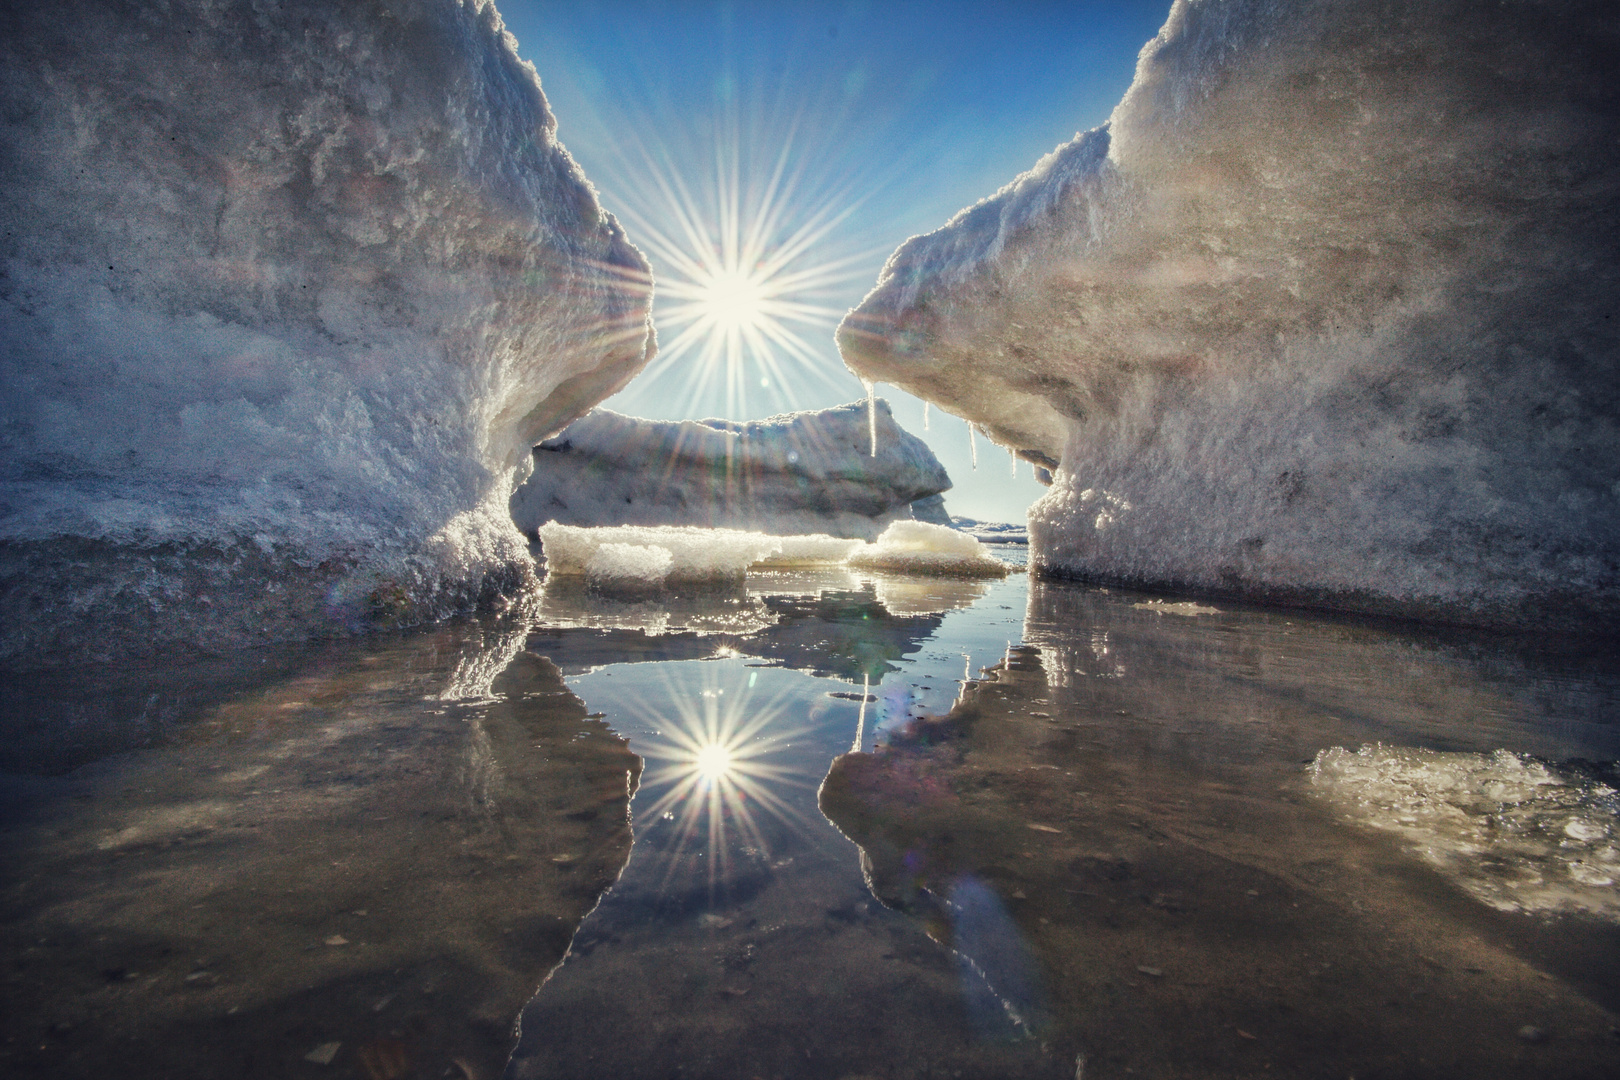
(287, 293)
(798, 473)
(1327, 312)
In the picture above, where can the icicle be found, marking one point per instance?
(925, 416)
(871, 413)
(1014, 455)
(973, 447)
(860, 721)
(967, 663)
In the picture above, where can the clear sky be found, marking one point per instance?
(767, 157)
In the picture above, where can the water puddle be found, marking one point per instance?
(825, 824)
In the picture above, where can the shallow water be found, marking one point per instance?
(824, 825)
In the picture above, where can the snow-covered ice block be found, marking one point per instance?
(287, 294)
(799, 473)
(1325, 312)
(916, 547)
(814, 550)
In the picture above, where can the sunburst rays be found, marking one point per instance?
(714, 768)
(744, 223)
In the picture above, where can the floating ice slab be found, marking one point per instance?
(288, 294)
(1324, 313)
(846, 471)
(649, 555)
(633, 558)
(1513, 832)
(916, 547)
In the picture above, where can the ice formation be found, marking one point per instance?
(799, 473)
(288, 293)
(916, 547)
(1512, 832)
(1325, 312)
(650, 556)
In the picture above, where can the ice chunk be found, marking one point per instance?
(289, 293)
(1509, 829)
(1331, 326)
(991, 532)
(693, 555)
(797, 551)
(916, 547)
(800, 473)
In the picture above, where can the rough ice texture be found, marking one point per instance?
(916, 547)
(799, 473)
(1514, 833)
(287, 293)
(1325, 314)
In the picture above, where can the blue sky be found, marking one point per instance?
(826, 133)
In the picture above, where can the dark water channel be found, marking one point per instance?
(824, 825)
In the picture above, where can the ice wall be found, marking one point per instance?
(794, 474)
(1326, 312)
(287, 292)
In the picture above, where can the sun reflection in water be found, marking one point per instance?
(713, 762)
(717, 769)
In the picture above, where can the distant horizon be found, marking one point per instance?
(886, 121)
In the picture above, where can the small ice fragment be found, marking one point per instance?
(336, 939)
(324, 1053)
(917, 547)
(1038, 827)
(1185, 607)
(1156, 973)
(1585, 830)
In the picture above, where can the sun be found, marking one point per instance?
(744, 218)
(733, 300)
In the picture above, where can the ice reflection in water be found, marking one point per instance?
(360, 856)
(741, 939)
(1116, 827)
(1133, 784)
